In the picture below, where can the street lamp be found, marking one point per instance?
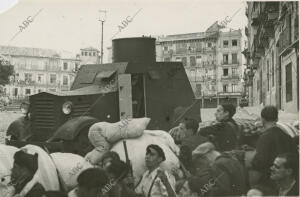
(102, 18)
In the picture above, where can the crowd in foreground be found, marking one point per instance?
(214, 162)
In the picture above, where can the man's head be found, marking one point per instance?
(190, 126)
(154, 156)
(25, 165)
(285, 166)
(225, 112)
(91, 182)
(269, 114)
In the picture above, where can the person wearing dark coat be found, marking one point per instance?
(225, 132)
(272, 142)
(24, 167)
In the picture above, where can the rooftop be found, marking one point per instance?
(35, 52)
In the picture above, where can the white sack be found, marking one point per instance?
(70, 166)
(103, 134)
(137, 151)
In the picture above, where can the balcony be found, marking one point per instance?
(230, 77)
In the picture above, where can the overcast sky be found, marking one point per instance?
(74, 24)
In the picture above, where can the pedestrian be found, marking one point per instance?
(272, 142)
(156, 182)
(225, 132)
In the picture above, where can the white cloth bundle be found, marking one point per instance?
(70, 166)
(103, 134)
(137, 151)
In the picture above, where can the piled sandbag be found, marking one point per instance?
(69, 167)
(6, 164)
(103, 134)
(46, 173)
(137, 151)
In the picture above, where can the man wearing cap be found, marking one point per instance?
(155, 182)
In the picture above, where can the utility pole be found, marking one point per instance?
(102, 19)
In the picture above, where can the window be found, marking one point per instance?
(225, 88)
(192, 61)
(225, 58)
(289, 84)
(65, 80)
(85, 53)
(76, 66)
(234, 58)
(234, 87)
(234, 43)
(82, 53)
(184, 61)
(52, 78)
(94, 53)
(225, 72)
(178, 59)
(165, 48)
(28, 77)
(65, 65)
(234, 71)
(39, 90)
(225, 43)
(40, 78)
(90, 54)
(198, 59)
(209, 44)
(27, 91)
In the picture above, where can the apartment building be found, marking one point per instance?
(38, 70)
(212, 60)
(272, 76)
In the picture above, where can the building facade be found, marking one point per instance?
(212, 60)
(38, 70)
(89, 55)
(272, 75)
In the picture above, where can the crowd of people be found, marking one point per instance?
(212, 163)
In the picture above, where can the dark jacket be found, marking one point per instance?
(270, 144)
(225, 135)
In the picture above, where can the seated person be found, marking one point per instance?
(155, 182)
(24, 167)
(226, 132)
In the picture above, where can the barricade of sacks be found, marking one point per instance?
(59, 170)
